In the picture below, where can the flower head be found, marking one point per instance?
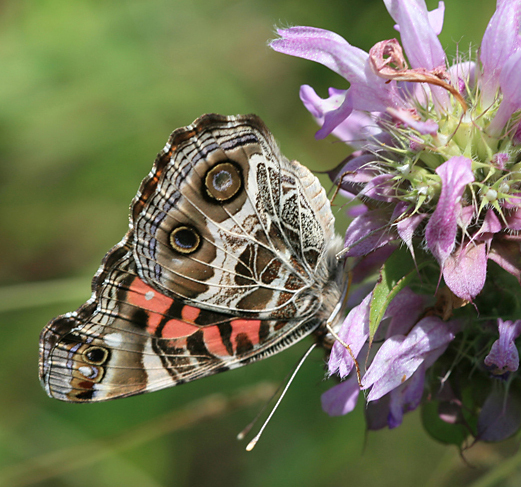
(437, 163)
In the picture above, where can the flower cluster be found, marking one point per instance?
(437, 169)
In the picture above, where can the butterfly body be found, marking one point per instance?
(229, 258)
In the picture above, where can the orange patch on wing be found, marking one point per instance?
(178, 329)
(249, 327)
(142, 295)
(183, 328)
(214, 342)
(145, 297)
(190, 314)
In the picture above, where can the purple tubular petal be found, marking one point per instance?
(491, 223)
(323, 47)
(355, 128)
(406, 229)
(465, 217)
(399, 357)
(500, 416)
(509, 80)
(436, 18)
(404, 311)
(463, 75)
(379, 377)
(377, 413)
(380, 188)
(342, 398)
(441, 230)
(338, 173)
(368, 232)
(357, 169)
(299, 32)
(511, 88)
(331, 112)
(499, 42)
(407, 226)
(357, 210)
(404, 116)
(406, 398)
(465, 270)
(354, 332)
(503, 355)
(419, 40)
(318, 106)
(334, 118)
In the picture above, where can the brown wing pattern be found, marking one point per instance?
(227, 260)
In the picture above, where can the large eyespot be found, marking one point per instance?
(223, 181)
(95, 355)
(184, 240)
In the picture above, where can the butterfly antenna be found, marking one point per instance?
(253, 442)
(247, 429)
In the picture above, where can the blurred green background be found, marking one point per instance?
(89, 92)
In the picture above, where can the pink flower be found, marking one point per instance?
(437, 166)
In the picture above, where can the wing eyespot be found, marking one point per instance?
(223, 181)
(91, 373)
(96, 355)
(184, 239)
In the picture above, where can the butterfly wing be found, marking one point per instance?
(228, 259)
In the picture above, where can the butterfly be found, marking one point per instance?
(230, 257)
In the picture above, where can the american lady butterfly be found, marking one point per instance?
(229, 258)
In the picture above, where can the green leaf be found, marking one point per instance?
(395, 274)
(448, 433)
